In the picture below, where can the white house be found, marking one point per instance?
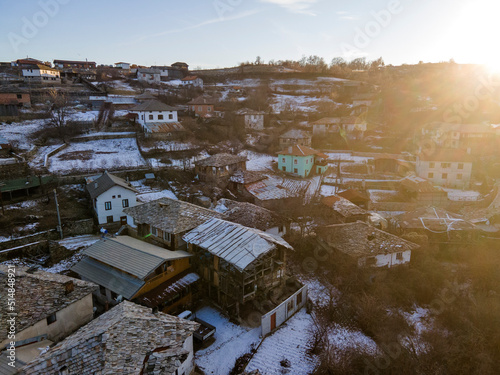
(367, 245)
(149, 75)
(43, 74)
(122, 65)
(110, 195)
(446, 167)
(153, 111)
(253, 119)
(193, 81)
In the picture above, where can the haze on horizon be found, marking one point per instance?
(222, 33)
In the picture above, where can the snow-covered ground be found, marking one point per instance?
(18, 133)
(169, 146)
(258, 162)
(301, 103)
(98, 154)
(291, 343)
(78, 242)
(463, 195)
(341, 339)
(231, 342)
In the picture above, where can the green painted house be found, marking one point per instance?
(301, 161)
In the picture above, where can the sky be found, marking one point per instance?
(224, 33)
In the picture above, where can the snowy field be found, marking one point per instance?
(18, 133)
(301, 103)
(258, 162)
(97, 155)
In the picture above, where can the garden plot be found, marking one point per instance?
(98, 155)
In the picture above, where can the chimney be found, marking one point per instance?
(69, 286)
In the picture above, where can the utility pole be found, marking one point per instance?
(58, 215)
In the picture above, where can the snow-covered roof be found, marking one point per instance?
(236, 244)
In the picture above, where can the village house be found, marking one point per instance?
(153, 111)
(128, 339)
(139, 271)
(62, 64)
(252, 119)
(164, 221)
(11, 95)
(192, 81)
(168, 73)
(110, 195)
(338, 210)
(253, 216)
(122, 65)
(445, 167)
(151, 76)
(295, 137)
(49, 306)
(365, 245)
(144, 97)
(241, 179)
(439, 225)
(420, 190)
(241, 267)
(355, 196)
(301, 160)
(350, 127)
(219, 166)
(41, 74)
(203, 106)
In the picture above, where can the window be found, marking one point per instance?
(430, 175)
(445, 165)
(283, 160)
(200, 109)
(114, 196)
(51, 319)
(166, 236)
(444, 176)
(432, 165)
(107, 206)
(460, 165)
(295, 170)
(151, 117)
(307, 161)
(119, 196)
(170, 117)
(19, 96)
(125, 203)
(160, 117)
(459, 176)
(284, 169)
(399, 256)
(109, 219)
(209, 109)
(295, 161)
(154, 231)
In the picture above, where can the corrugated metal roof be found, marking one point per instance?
(106, 182)
(133, 256)
(236, 244)
(110, 278)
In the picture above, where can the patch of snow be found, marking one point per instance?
(258, 162)
(289, 342)
(148, 197)
(341, 339)
(231, 342)
(461, 195)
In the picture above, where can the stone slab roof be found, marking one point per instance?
(361, 239)
(152, 105)
(128, 339)
(203, 100)
(38, 295)
(105, 182)
(248, 214)
(343, 206)
(171, 215)
(296, 134)
(221, 160)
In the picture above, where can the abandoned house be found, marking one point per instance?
(131, 268)
(110, 195)
(357, 197)
(251, 119)
(240, 180)
(422, 191)
(128, 339)
(439, 225)
(164, 221)
(238, 264)
(50, 307)
(203, 106)
(295, 137)
(338, 210)
(364, 244)
(219, 166)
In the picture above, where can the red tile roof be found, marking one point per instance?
(298, 150)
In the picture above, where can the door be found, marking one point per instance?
(273, 322)
(123, 220)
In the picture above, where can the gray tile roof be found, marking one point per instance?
(296, 134)
(133, 256)
(248, 214)
(203, 100)
(170, 215)
(152, 105)
(128, 339)
(236, 244)
(38, 295)
(248, 111)
(221, 160)
(106, 182)
(361, 239)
